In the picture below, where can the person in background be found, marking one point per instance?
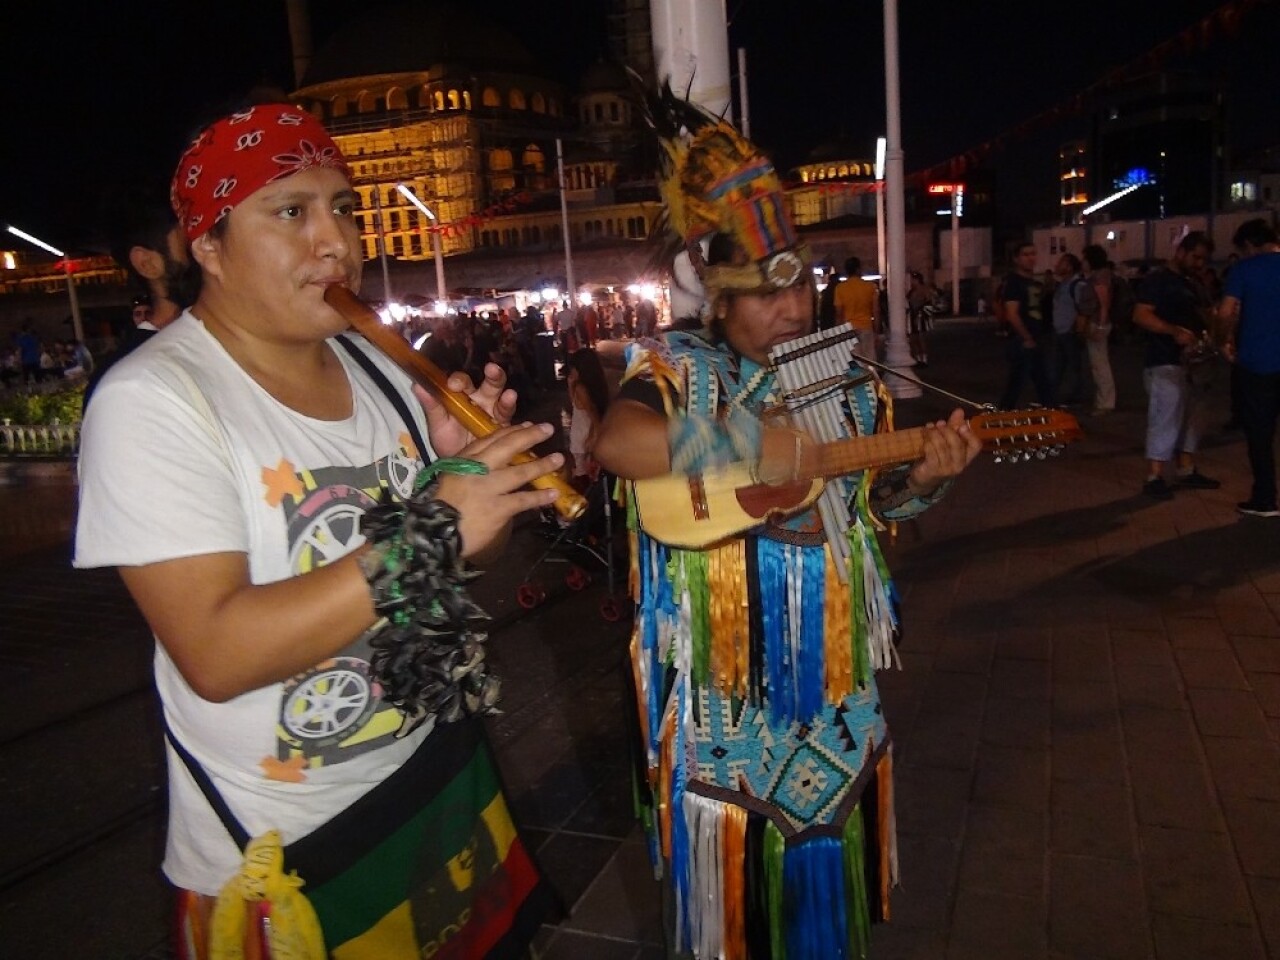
(588, 401)
(1173, 310)
(1074, 308)
(262, 485)
(1097, 330)
(920, 296)
(855, 304)
(1022, 298)
(1249, 317)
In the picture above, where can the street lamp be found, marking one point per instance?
(881, 143)
(441, 293)
(77, 326)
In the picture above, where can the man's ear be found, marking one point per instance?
(204, 251)
(148, 263)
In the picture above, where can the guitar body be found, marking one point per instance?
(698, 510)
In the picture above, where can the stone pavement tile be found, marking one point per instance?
(1254, 826)
(1227, 713)
(1169, 794)
(939, 741)
(1089, 754)
(1097, 909)
(565, 944)
(1140, 646)
(927, 868)
(897, 941)
(954, 695)
(1092, 818)
(1266, 688)
(571, 862)
(1011, 722)
(1010, 677)
(1193, 873)
(1243, 610)
(1081, 655)
(1186, 938)
(1258, 654)
(1245, 768)
(1152, 684)
(965, 654)
(1004, 925)
(1083, 705)
(1195, 633)
(1025, 643)
(1154, 735)
(1012, 776)
(1265, 892)
(931, 801)
(1210, 668)
(623, 902)
(1004, 851)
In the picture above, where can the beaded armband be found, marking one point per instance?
(428, 648)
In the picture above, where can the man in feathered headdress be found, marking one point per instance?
(769, 759)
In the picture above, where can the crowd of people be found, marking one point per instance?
(29, 359)
(1060, 327)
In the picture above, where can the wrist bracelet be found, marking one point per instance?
(428, 649)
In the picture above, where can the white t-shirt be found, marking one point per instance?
(184, 454)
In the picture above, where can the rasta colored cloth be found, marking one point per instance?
(428, 864)
(768, 760)
(241, 153)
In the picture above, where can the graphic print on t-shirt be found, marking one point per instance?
(333, 711)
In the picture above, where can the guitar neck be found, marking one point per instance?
(841, 457)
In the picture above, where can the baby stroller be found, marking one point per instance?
(587, 539)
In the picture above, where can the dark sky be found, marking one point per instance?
(96, 92)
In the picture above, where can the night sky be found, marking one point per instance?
(96, 93)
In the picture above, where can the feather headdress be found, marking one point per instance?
(717, 183)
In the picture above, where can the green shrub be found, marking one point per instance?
(62, 405)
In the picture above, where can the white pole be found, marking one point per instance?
(442, 292)
(879, 169)
(955, 249)
(570, 283)
(742, 92)
(382, 244)
(897, 351)
(691, 48)
(76, 323)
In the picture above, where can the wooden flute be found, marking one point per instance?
(422, 371)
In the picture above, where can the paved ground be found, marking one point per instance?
(1087, 723)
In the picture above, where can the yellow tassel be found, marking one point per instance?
(294, 930)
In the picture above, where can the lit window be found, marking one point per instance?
(490, 98)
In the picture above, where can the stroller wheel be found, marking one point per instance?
(529, 594)
(611, 609)
(577, 579)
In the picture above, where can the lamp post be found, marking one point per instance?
(76, 323)
(880, 264)
(436, 250)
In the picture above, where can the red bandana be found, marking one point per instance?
(241, 153)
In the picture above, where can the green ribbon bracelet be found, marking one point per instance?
(447, 465)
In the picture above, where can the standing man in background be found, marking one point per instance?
(1029, 331)
(855, 303)
(1250, 318)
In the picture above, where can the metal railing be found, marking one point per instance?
(38, 440)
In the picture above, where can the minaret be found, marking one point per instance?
(299, 38)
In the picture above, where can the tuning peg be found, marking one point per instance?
(1041, 453)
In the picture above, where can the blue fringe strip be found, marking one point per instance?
(814, 902)
(811, 675)
(680, 850)
(777, 649)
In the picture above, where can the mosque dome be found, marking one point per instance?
(411, 37)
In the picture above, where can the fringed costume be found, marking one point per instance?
(768, 762)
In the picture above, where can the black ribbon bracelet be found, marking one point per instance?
(428, 644)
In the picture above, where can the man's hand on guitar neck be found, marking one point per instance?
(949, 447)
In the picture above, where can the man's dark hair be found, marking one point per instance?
(1194, 240)
(853, 267)
(1254, 233)
(1094, 256)
(137, 216)
(1072, 261)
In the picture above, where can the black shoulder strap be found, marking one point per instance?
(392, 394)
(234, 827)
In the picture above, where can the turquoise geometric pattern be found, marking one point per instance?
(805, 770)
